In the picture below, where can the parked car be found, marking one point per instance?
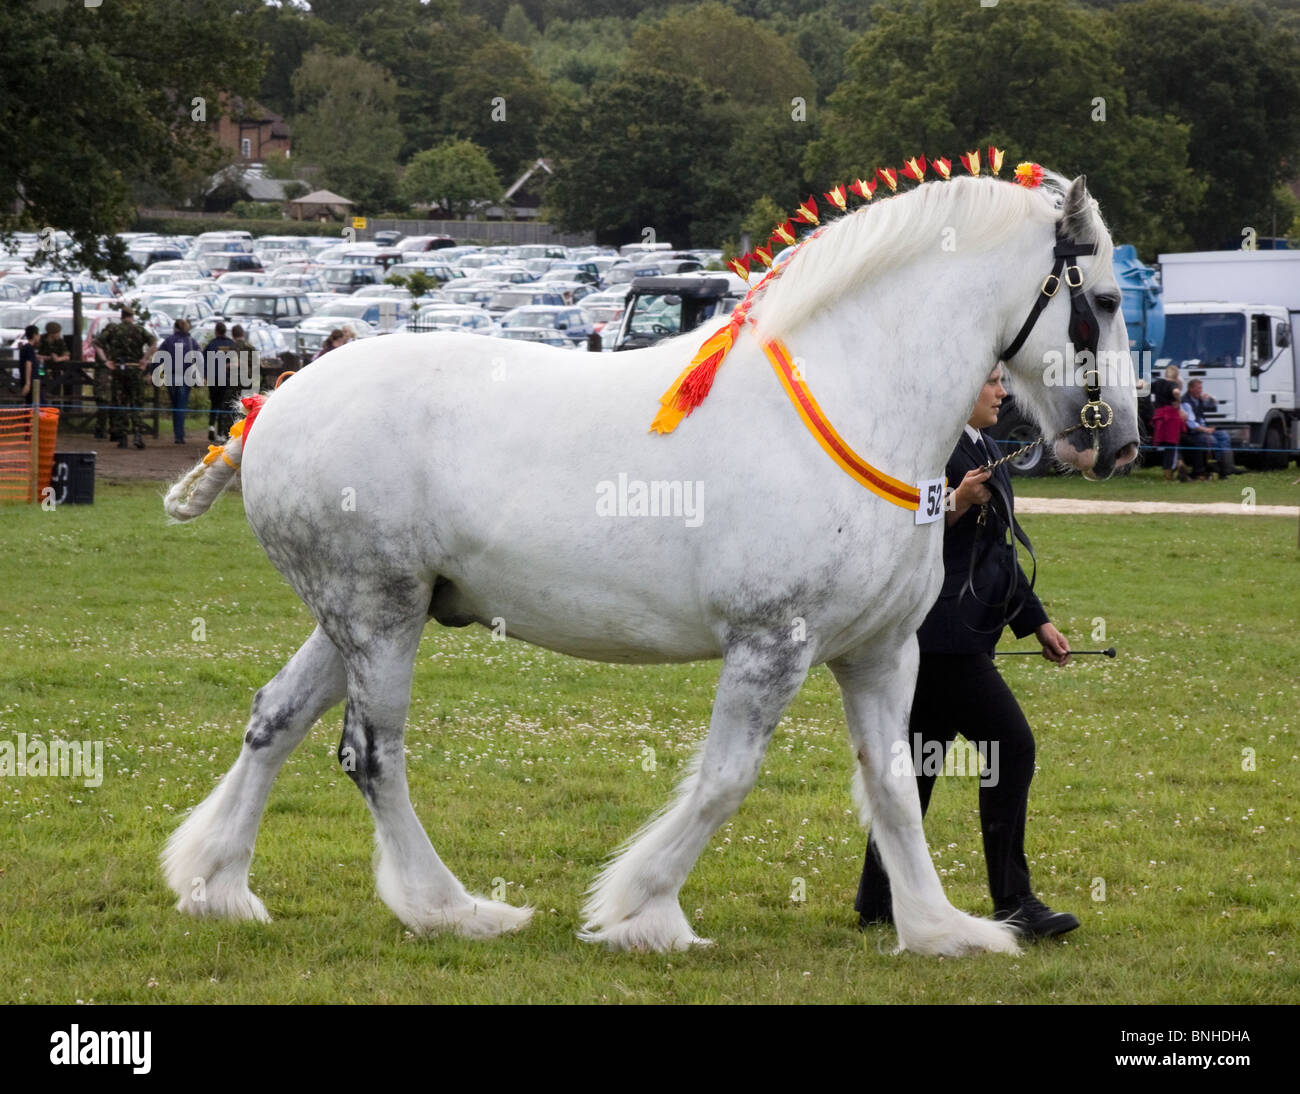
(369, 308)
(425, 243)
(572, 291)
(347, 277)
(544, 335)
(304, 282)
(509, 299)
(283, 307)
(435, 318)
(193, 309)
(63, 283)
(310, 333)
(439, 271)
(242, 280)
(570, 322)
(369, 255)
(514, 275)
(226, 262)
(467, 292)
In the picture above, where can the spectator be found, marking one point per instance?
(1201, 436)
(175, 354)
(219, 361)
(29, 364)
(250, 361)
(337, 337)
(1167, 422)
(126, 347)
(51, 346)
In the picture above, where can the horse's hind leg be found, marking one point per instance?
(633, 903)
(877, 686)
(206, 860)
(412, 880)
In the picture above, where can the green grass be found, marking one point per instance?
(1148, 484)
(528, 767)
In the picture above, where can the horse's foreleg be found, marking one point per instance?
(410, 877)
(206, 859)
(877, 686)
(633, 903)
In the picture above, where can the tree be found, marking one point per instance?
(500, 102)
(517, 27)
(99, 101)
(623, 161)
(1231, 74)
(456, 175)
(346, 125)
(752, 65)
(1038, 78)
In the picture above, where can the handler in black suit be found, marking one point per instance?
(958, 689)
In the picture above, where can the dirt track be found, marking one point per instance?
(158, 462)
(1079, 506)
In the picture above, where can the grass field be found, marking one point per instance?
(528, 768)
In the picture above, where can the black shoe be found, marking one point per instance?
(179, 440)
(139, 441)
(1034, 919)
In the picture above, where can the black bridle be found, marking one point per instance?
(1084, 331)
(1096, 415)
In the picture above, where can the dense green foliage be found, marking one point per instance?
(1185, 114)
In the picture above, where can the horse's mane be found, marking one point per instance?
(883, 235)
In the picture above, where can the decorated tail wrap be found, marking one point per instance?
(694, 383)
(197, 490)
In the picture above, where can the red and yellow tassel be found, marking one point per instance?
(1028, 175)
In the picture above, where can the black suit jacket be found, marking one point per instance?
(954, 625)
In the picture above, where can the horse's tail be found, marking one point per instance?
(194, 492)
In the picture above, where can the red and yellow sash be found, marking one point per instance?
(892, 490)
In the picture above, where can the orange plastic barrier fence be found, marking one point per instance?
(16, 451)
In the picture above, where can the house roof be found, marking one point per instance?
(322, 197)
(540, 165)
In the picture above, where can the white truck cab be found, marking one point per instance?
(1231, 318)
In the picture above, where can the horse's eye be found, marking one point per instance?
(1108, 304)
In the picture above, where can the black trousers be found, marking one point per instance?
(963, 693)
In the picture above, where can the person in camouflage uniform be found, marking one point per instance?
(53, 350)
(250, 360)
(126, 347)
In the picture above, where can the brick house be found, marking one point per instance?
(251, 132)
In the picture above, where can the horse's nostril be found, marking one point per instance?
(1127, 454)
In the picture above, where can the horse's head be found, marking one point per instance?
(1066, 346)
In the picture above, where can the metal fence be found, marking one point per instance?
(480, 231)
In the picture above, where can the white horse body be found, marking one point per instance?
(461, 478)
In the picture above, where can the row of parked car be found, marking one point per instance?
(290, 292)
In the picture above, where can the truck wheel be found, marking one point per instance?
(1034, 462)
(1275, 439)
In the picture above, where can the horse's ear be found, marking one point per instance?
(1075, 221)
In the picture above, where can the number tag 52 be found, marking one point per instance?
(931, 507)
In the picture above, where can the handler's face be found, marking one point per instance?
(990, 399)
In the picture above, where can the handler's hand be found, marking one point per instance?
(1055, 645)
(971, 490)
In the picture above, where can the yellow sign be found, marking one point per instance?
(359, 223)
